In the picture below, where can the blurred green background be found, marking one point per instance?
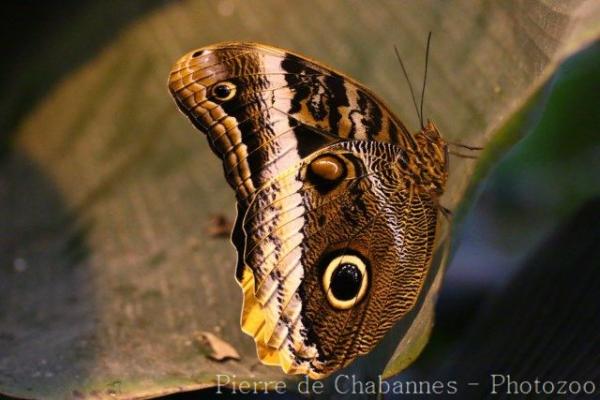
(545, 179)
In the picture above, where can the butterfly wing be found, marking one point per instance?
(275, 118)
(302, 231)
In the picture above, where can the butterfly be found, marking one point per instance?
(337, 202)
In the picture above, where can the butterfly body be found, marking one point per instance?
(337, 201)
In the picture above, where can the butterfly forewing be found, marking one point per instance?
(285, 107)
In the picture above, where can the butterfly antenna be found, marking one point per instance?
(425, 78)
(412, 92)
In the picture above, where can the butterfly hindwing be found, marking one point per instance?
(293, 229)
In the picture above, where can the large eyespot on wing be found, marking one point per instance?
(328, 272)
(390, 228)
(273, 259)
(345, 280)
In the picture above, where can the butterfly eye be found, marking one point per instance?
(224, 91)
(345, 281)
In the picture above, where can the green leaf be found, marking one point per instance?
(108, 274)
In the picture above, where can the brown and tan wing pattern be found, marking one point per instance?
(284, 108)
(372, 214)
(335, 221)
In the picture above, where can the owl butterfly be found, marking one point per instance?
(337, 201)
